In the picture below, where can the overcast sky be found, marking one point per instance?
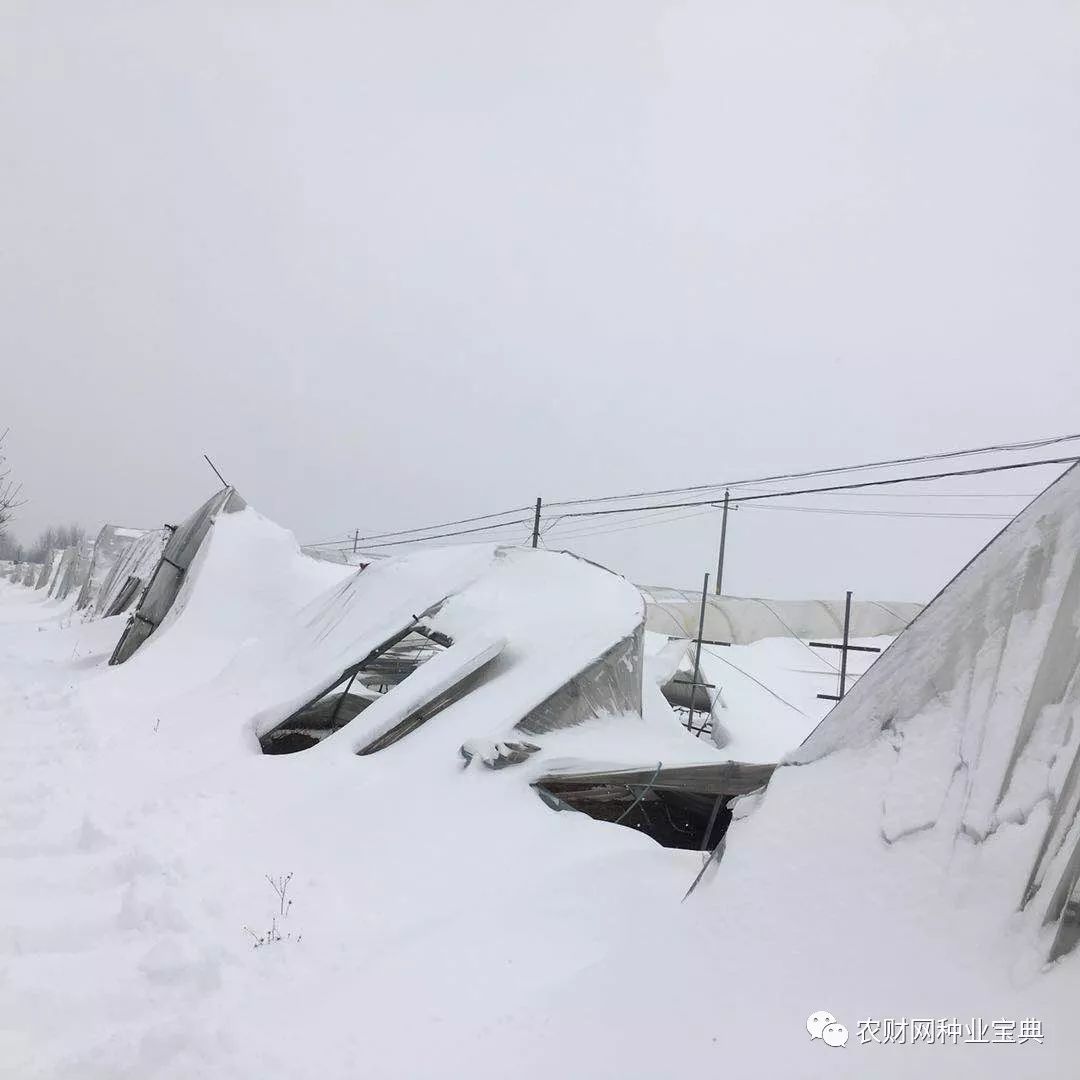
(392, 263)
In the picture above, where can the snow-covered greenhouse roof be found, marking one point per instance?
(497, 616)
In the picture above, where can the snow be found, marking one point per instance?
(809, 908)
(136, 854)
(765, 696)
(768, 691)
(445, 922)
(294, 624)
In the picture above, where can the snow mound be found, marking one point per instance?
(258, 630)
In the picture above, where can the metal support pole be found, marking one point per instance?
(712, 821)
(341, 700)
(215, 468)
(536, 524)
(844, 649)
(697, 653)
(355, 540)
(723, 543)
(641, 794)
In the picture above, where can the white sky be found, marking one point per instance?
(391, 263)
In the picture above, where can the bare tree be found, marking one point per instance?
(55, 536)
(10, 548)
(9, 490)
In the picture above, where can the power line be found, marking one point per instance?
(835, 487)
(1031, 444)
(841, 488)
(329, 543)
(907, 479)
(603, 531)
(428, 528)
(886, 513)
(886, 609)
(439, 536)
(944, 494)
(711, 508)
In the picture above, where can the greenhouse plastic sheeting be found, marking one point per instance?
(609, 686)
(981, 699)
(742, 620)
(138, 560)
(165, 584)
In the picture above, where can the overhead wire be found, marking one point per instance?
(711, 509)
(1030, 444)
(605, 530)
(878, 603)
(428, 528)
(885, 513)
(329, 543)
(429, 533)
(942, 494)
(730, 664)
(986, 469)
(439, 536)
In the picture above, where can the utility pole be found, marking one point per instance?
(536, 523)
(697, 652)
(355, 540)
(723, 543)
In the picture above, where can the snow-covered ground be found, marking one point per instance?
(434, 903)
(445, 922)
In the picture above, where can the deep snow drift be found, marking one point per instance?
(444, 921)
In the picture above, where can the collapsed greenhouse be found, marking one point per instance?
(980, 702)
(519, 701)
(167, 578)
(342, 660)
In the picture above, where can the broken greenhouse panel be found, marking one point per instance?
(48, 568)
(681, 806)
(168, 577)
(109, 545)
(350, 692)
(129, 571)
(73, 565)
(491, 623)
(611, 684)
(421, 696)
